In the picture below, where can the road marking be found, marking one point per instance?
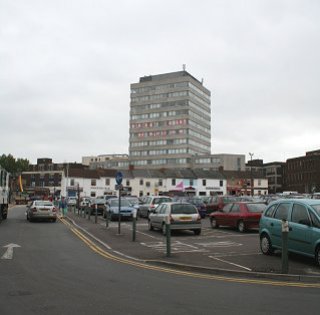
(232, 254)
(9, 252)
(176, 247)
(219, 244)
(98, 250)
(230, 263)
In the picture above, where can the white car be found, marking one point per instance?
(182, 215)
(41, 209)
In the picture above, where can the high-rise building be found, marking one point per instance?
(170, 121)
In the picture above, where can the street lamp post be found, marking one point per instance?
(251, 184)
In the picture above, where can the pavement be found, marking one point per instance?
(220, 251)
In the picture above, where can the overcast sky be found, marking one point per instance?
(66, 68)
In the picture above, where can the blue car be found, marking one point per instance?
(126, 209)
(303, 216)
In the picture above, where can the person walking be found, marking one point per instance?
(63, 207)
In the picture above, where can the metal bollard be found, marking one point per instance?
(168, 236)
(107, 218)
(89, 213)
(96, 214)
(134, 224)
(284, 253)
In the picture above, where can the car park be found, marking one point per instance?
(241, 215)
(112, 209)
(150, 203)
(303, 217)
(182, 215)
(41, 210)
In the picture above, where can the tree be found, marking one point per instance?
(13, 166)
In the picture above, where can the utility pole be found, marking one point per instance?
(251, 184)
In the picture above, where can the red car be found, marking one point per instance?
(216, 203)
(240, 215)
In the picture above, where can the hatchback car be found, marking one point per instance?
(112, 207)
(150, 203)
(216, 203)
(196, 201)
(303, 216)
(183, 216)
(41, 210)
(240, 215)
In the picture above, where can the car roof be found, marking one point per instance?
(309, 202)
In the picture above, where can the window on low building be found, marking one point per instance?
(93, 182)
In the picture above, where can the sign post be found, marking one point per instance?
(119, 177)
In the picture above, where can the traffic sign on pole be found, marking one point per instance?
(119, 177)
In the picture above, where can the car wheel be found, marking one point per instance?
(150, 225)
(317, 255)
(241, 226)
(54, 220)
(197, 231)
(265, 245)
(213, 222)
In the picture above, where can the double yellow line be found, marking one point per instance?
(110, 256)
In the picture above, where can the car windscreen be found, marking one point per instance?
(123, 202)
(183, 209)
(256, 207)
(316, 208)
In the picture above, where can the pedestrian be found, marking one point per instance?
(63, 207)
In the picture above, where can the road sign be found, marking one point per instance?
(119, 177)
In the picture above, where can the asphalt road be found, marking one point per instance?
(56, 271)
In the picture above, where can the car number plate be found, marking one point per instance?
(185, 218)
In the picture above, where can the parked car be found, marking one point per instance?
(303, 216)
(41, 209)
(85, 202)
(72, 201)
(99, 203)
(183, 216)
(112, 207)
(241, 215)
(196, 201)
(216, 203)
(150, 203)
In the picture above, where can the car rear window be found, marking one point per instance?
(183, 209)
(256, 207)
(161, 200)
(228, 199)
(43, 204)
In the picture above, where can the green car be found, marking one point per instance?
(303, 216)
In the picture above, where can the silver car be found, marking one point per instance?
(150, 203)
(41, 209)
(182, 215)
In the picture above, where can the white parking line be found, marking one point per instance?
(219, 244)
(230, 263)
(176, 247)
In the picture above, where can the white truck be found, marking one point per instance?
(4, 193)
